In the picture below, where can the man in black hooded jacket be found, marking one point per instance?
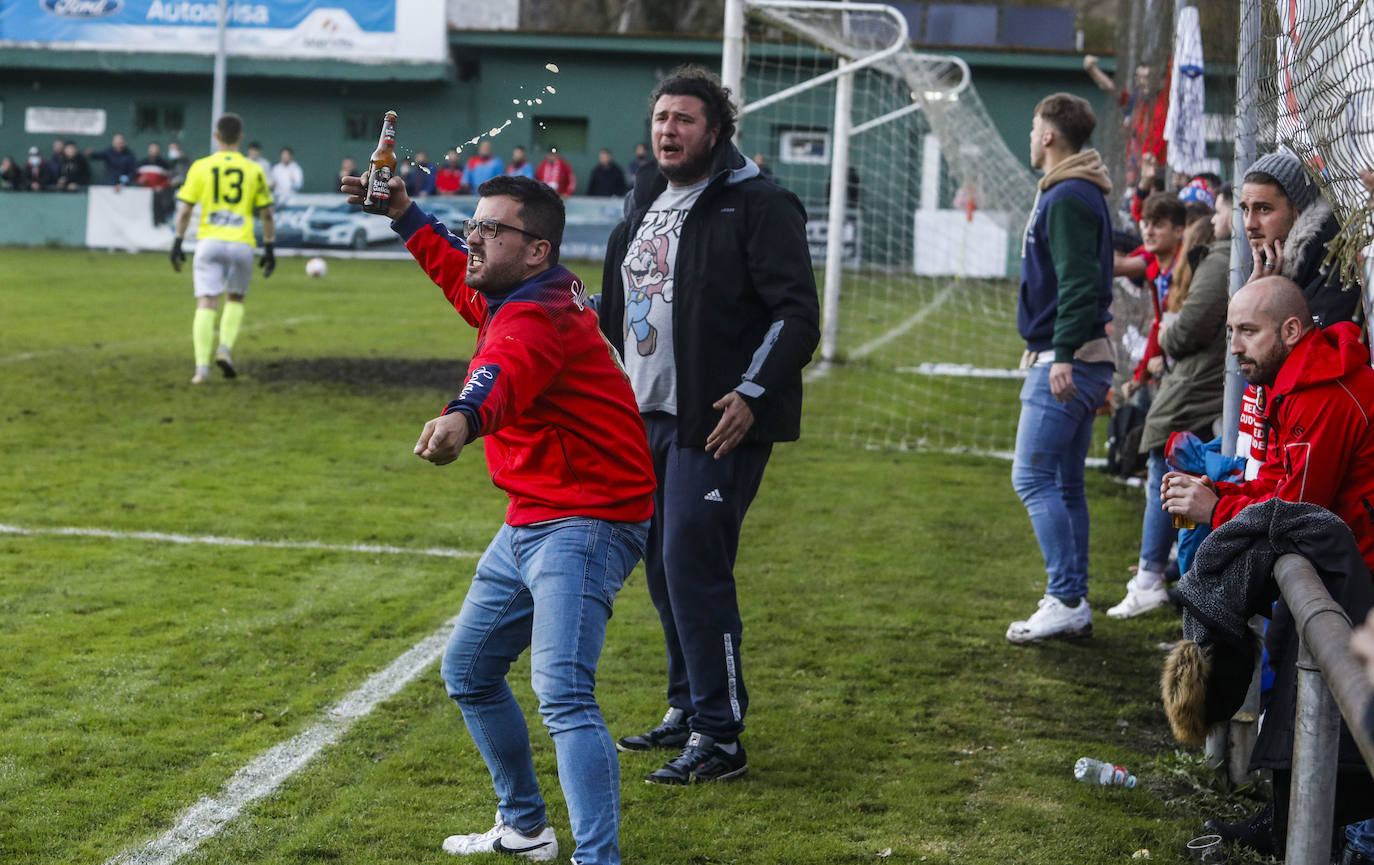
(709, 295)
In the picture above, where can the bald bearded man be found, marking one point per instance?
(1320, 414)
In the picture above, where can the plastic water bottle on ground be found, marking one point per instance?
(1091, 771)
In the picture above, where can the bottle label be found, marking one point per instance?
(377, 185)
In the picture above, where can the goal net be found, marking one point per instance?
(918, 263)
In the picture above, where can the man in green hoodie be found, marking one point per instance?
(1066, 287)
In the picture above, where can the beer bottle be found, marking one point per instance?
(382, 167)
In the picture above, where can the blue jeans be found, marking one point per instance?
(1052, 441)
(1157, 532)
(551, 588)
(1360, 837)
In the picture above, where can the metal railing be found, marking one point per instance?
(1329, 680)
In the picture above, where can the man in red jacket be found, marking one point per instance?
(557, 173)
(1320, 450)
(1320, 395)
(565, 441)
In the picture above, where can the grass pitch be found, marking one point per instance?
(890, 721)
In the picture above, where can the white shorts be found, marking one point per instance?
(220, 266)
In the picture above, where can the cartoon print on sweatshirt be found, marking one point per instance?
(648, 274)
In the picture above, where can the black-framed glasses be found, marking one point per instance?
(489, 228)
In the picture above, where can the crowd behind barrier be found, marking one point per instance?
(67, 169)
(1292, 325)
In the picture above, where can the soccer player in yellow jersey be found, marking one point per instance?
(231, 190)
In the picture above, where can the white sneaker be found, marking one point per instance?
(1143, 594)
(505, 839)
(202, 373)
(1053, 621)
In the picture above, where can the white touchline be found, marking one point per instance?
(270, 770)
(215, 541)
(878, 342)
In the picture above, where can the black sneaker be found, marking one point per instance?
(702, 760)
(1255, 832)
(225, 362)
(672, 733)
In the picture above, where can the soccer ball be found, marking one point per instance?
(316, 267)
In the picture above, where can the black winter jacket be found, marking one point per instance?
(745, 313)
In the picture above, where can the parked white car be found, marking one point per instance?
(344, 225)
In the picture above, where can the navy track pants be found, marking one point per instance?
(690, 564)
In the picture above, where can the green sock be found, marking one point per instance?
(203, 335)
(229, 322)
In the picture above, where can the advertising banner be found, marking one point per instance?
(40, 120)
(359, 30)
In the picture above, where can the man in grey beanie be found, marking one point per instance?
(1289, 224)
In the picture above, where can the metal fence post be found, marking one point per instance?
(1331, 684)
(1222, 749)
(1247, 131)
(1316, 737)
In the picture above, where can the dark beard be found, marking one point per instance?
(688, 172)
(1267, 367)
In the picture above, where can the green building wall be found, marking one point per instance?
(603, 81)
(328, 110)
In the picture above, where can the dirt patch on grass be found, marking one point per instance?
(364, 375)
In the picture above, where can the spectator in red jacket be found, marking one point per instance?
(556, 172)
(1319, 450)
(1162, 225)
(448, 178)
(565, 441)
(1144, 110)
(153, 170)
(1320, 404)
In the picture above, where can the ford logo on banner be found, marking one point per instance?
(82, 8)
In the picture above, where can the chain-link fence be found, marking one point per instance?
(1145, 49)
(1312, 63)
(1294, 75)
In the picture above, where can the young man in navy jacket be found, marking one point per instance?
(1066, 287)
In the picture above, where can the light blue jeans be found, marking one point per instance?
(551, 588)
(1157, 532)
(1052, 441)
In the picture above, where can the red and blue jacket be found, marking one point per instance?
(563, 436)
